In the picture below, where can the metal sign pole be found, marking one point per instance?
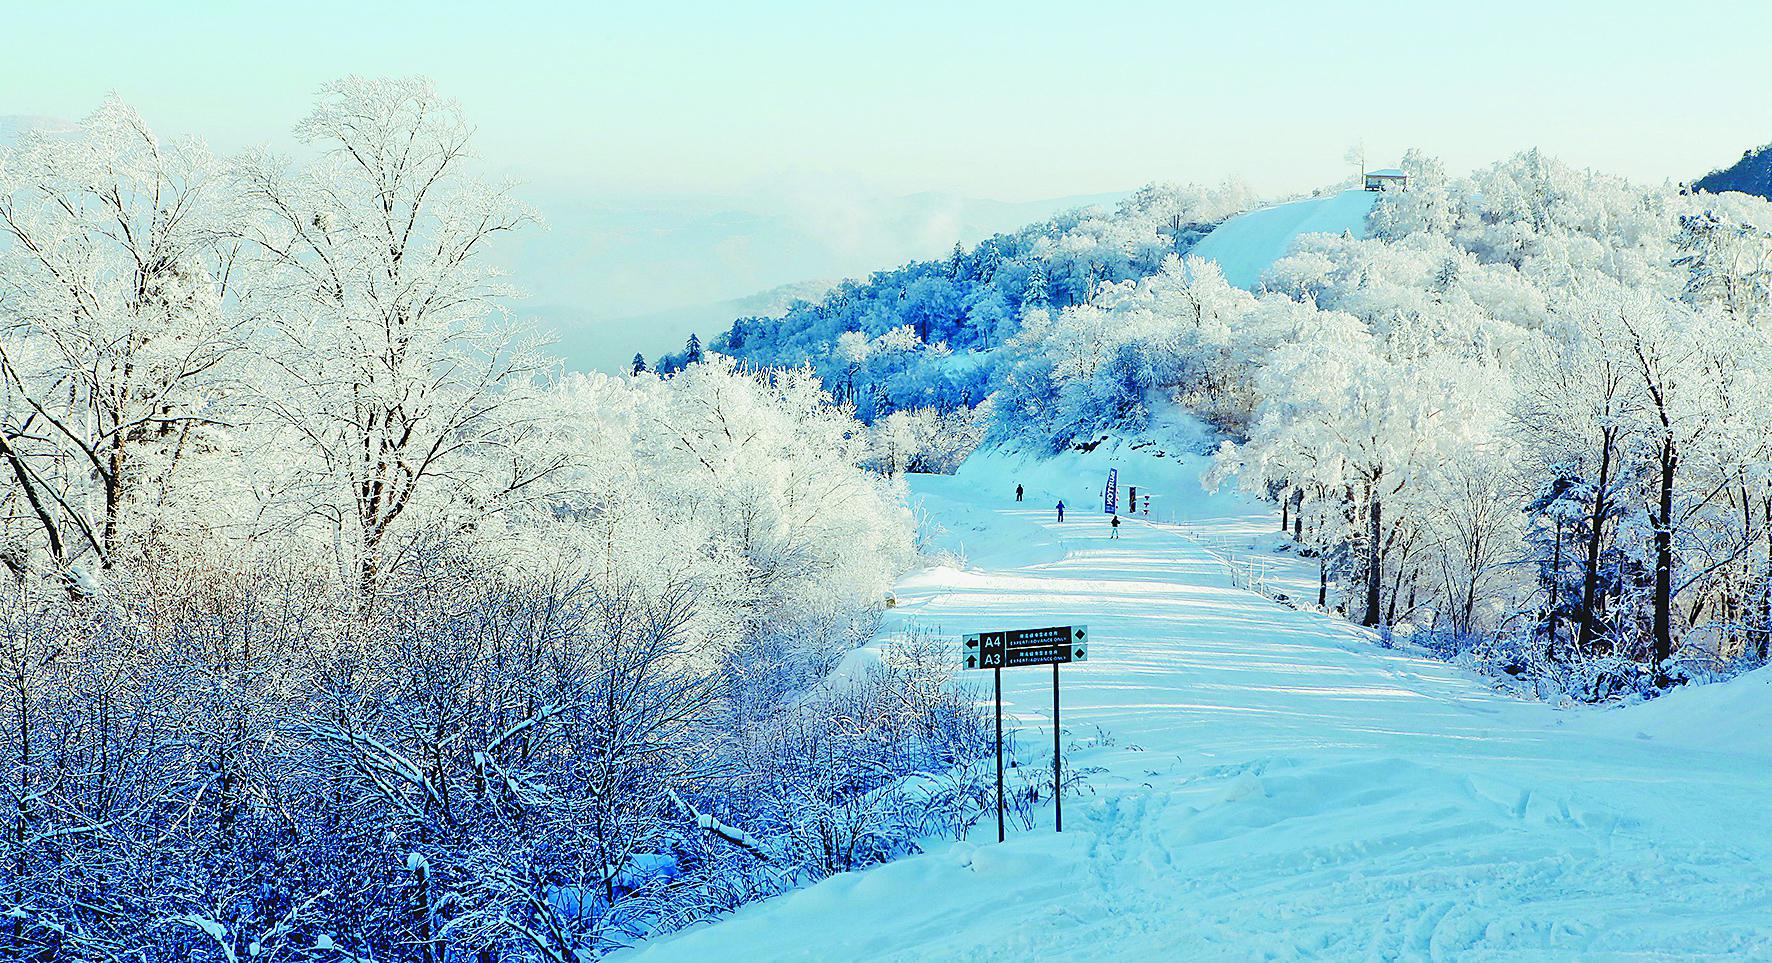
(1017, 648)
(999, 677)
(1057, 777)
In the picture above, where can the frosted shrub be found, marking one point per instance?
(475, 762)
(866, 767)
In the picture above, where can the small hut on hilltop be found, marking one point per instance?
(1389, 179)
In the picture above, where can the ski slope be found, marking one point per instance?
(1274, 785)
(1247, 244)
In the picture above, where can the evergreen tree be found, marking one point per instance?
(1035, 295)
(639, 363)
(1446, 275)
(1558, 527)
(692, 353)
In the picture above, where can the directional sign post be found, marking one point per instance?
(983, 651)
(1015, 648)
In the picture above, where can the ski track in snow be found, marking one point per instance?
(1277, 786)
(1247, 245)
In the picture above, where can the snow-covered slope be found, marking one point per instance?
(1245, 245)
(1274, 785)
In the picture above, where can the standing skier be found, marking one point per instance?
(1116, 527)
(1018, 493)
(1061, 511)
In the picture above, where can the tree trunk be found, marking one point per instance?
(1374, 560)
(369, 566)
(1766, 588)
(1556, 582)
(1590, 583)
(113, 496)
(1662, 632)
(1390, 612)
(1323, 580)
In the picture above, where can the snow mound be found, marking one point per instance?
(1733, 717)
(1247, 244)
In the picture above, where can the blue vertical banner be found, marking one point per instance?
(1111, 497)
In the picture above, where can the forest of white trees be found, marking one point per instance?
(1520, 422)
(340, 625)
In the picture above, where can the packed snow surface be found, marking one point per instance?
(1247, 244)
(1273, 784)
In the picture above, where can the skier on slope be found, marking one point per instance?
(1018, 493)
(1116, 526)
(1061, 511)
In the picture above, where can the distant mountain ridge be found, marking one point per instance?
(1752, 174)
(14, 126)
(612, 277)
(609, 344)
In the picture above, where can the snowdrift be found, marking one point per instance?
(1732, 717)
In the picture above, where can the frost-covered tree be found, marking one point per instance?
(926, 440)
(390, 363)
(1726, 262)
(117, 336)
(1370, 428)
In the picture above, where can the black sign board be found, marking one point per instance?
(1023, 647)
(1043, 655)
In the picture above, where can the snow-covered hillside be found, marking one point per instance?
(1272, 784)
(1246, 245)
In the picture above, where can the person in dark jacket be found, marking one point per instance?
(1116, 527)
(1018, 493)
(1061, 511)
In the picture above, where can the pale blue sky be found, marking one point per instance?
(691, 152)
(1011, 100)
